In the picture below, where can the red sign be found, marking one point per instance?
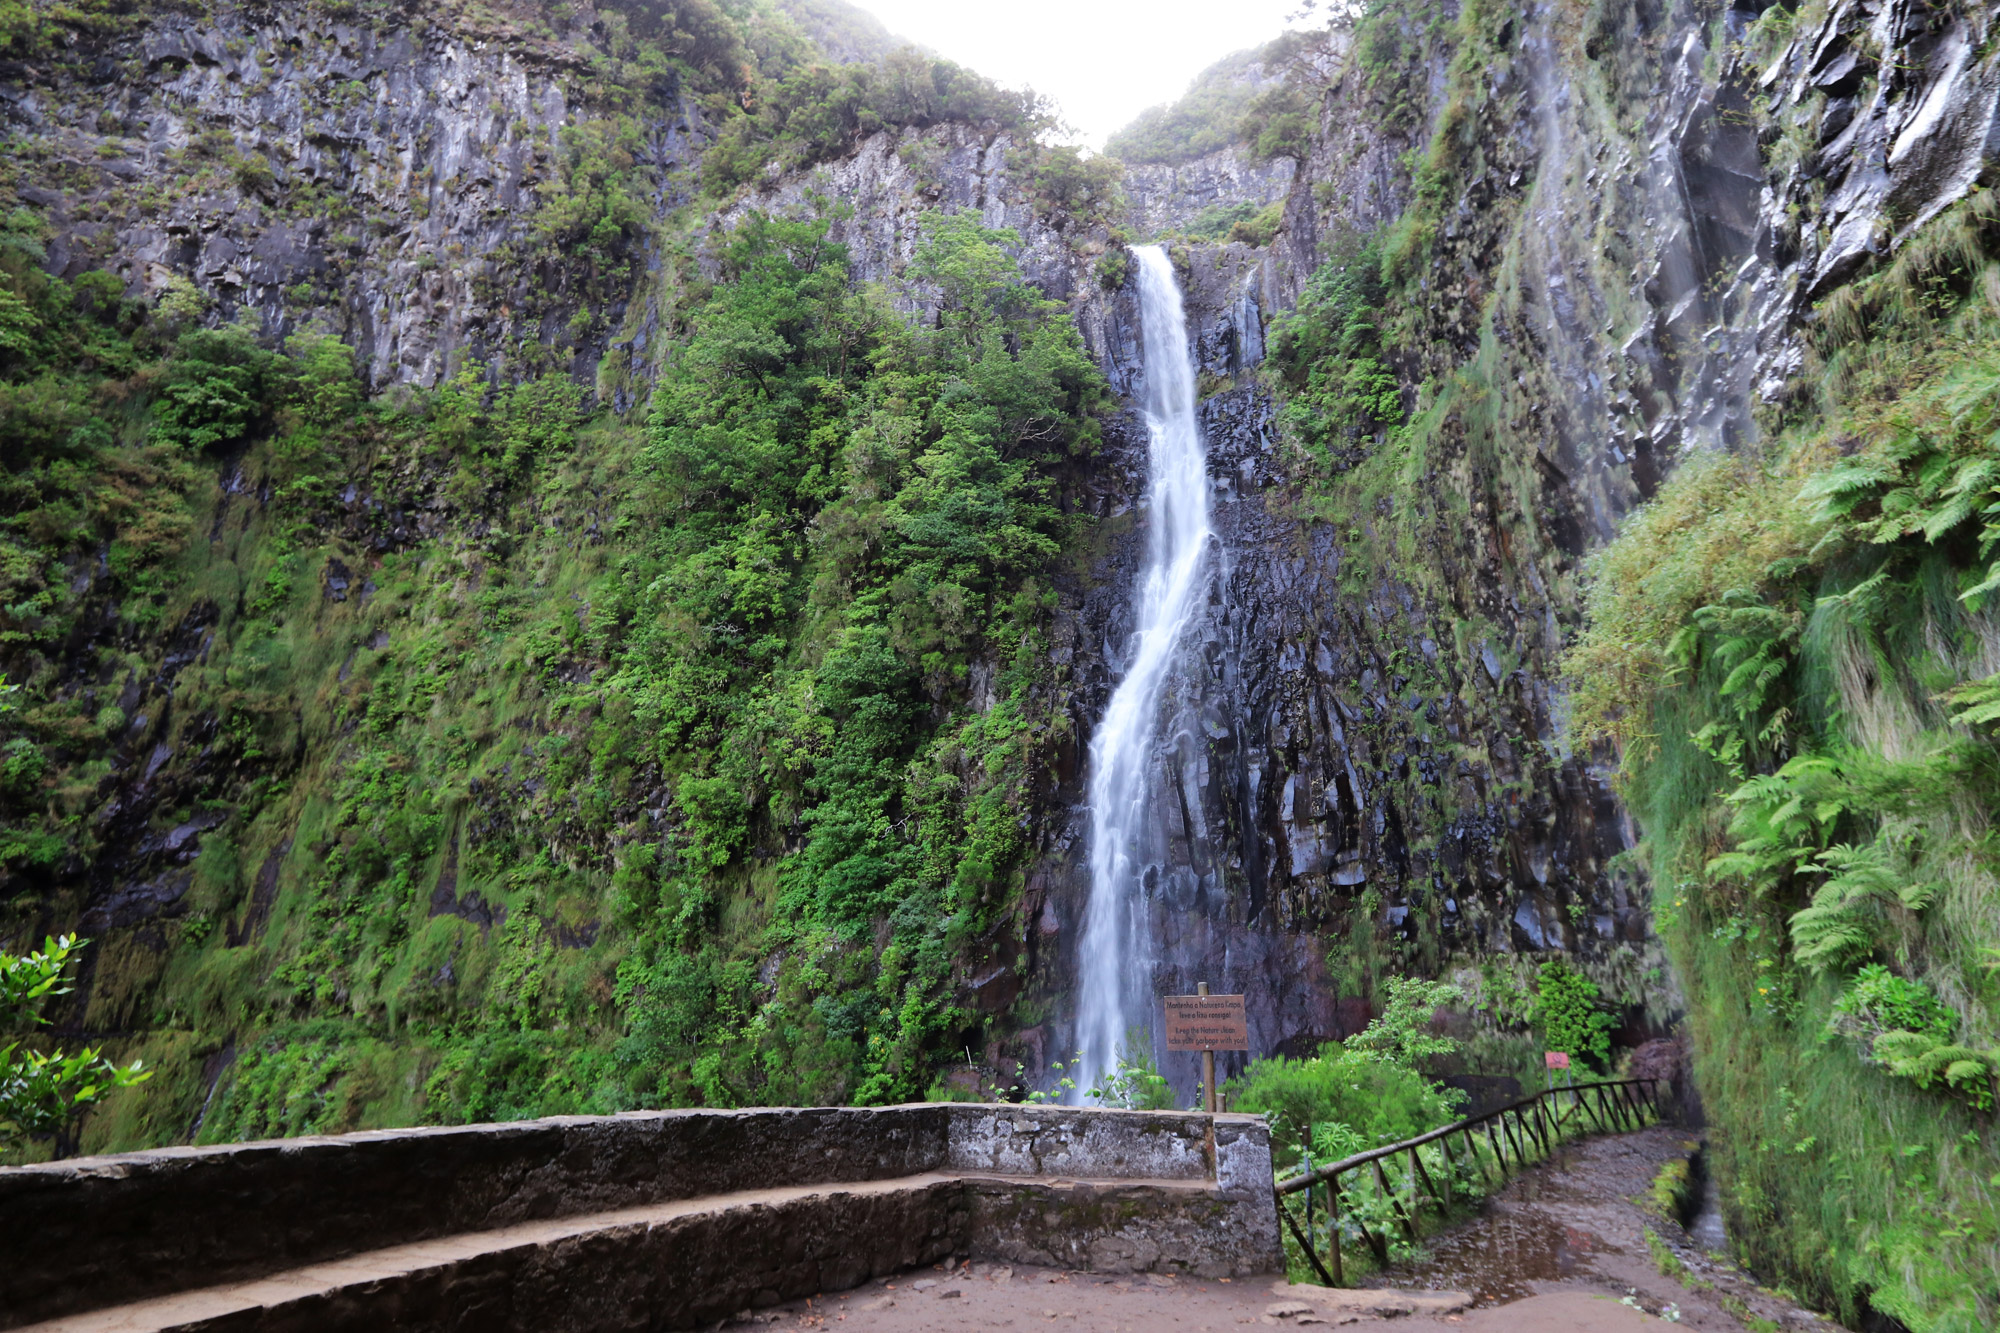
(1558, 1059)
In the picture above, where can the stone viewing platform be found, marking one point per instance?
(645, 1220)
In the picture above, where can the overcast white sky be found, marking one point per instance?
(1104, 61)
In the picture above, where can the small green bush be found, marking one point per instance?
(1261, 227)
(1114, 266)
(1568, 1011)
(1360, 1094)
(1374, 1100)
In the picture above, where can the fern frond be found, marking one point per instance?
(1844, 489)
(1825, 939)
(1972, 484)
(1992, 579)
(1861, 597)
(1977, 701)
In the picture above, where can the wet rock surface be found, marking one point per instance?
(436, 141)
(1375, 752)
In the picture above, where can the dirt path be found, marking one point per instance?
(1562, 1249)
(1577, 1224)
(1025, 1298)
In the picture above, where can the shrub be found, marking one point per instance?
(1261, 228)
(1065, 181)
(1363, 1093)
(1113, 268)
(1376, 1100)
(214, 389)
(1568, 1012)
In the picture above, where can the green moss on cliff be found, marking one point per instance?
(1792, 649)
(1415, 408)
(535, 762)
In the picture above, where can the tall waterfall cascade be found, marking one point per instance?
(1115, 966)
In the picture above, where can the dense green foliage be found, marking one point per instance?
(1236, 100)
(1326, 353)
(1569, 1014)
(834, 520)
(1360, 1094)
(495, 756)
(1793, 649)
(851, 512)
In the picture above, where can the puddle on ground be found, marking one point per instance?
(1497, 1258)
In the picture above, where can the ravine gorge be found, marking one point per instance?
(572, 556)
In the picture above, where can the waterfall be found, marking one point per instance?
(1115, 963)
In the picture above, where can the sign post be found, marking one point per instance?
(1558, 1060)
(1207, 1023)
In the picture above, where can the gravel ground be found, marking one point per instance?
(1561, 1249)
(1024, 1298)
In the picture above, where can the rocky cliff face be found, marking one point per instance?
(1162, 198)
(385, 182)
(1611, 232)
(1362, 762)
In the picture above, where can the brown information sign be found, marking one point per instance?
(1207, 1023)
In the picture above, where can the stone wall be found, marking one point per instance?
(97, 1231)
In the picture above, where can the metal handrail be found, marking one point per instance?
(1617, 1108)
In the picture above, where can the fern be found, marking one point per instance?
(1825, 937)
(1782, 821)
(1841, 921)
(1930, 1063)
(1844, 489)
(1977, 701)
(1972, 485)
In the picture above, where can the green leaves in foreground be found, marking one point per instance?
(851, 510)
(44, 1093)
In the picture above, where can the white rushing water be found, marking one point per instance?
(1115, 965)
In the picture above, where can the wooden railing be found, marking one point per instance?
(1540, 1121)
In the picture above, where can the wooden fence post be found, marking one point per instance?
(1418, 1173)
(1333, 1229)
(1395, 1204)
